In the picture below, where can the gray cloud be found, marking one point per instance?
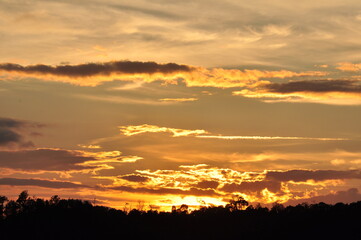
(12, 132)
(208, 184)
(95, 69)
(348, 196)
(317, 175)
(43, 159)
(192, 191)
(135, 178)
(316, 86)
(258, 186)
(39, 183)
(9, 136)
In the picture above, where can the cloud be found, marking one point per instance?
(43, 160)
(207, 184)
(337, 92)
(249, 187)
(267, 138)
(349, 67)
(12, 132)
(96, 69)
(348, 196)
(92, 74)
(61, 160)
(317, 86)
(39, 183)
(229, 78)
(174, 191)
(316, 175)
(90, 146)
(145, 128)
(178, 99)
(265, 186)
(134, 178)
(122, 100)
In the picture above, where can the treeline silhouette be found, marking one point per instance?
(35, 218)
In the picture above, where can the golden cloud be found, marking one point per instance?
(146, 128)
(268, 138)
(229, 78)
(266, 186)
(198, 133)
(178, 99)
(349, 67)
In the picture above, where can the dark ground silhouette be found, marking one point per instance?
(34, 218)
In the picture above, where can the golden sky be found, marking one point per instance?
(172, 102)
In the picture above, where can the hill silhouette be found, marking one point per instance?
(35, 218)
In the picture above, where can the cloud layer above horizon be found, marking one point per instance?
(180, 102)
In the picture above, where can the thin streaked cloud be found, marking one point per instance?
(268, 138)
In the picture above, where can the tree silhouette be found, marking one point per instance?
(183, 208)
(12, 208)
(54, 200)
(35, 218)
(237, 203)
(3, 201)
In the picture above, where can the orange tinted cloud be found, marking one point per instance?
(349, 67)
(228, 78)
(145, 128)
(60, 160)
(178, 99)
(202, 180)
(268, 138)
(337, 92)
(92, 74)
(40, 182)
(198, 133)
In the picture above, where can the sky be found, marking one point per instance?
(162, 103)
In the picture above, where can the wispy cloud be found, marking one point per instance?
(145, 128)
(268, 138)
(198, 133)
(90, 146)
(349, 67)
(40, 183)
(178, 99)
(121, 100)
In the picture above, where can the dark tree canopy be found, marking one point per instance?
(56, 218)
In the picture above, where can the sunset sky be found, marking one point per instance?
(171, 102)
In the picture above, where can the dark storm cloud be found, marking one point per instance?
(11, 123)
(192, 191)
(318, 175)
(257, 186)
(95, 69)
(318, 86)
(43, 160)
(39, 183)
(11, 132)
(9, 136)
